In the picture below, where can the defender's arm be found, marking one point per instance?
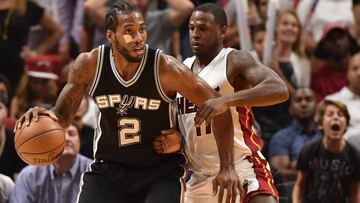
(255, 83)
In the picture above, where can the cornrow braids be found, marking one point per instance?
(111, 18)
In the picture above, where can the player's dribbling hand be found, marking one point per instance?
(169, 141)
(33, 115)
(228, 180)
(209, 110)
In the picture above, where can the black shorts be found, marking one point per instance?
(111, 182)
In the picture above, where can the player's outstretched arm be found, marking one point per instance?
(79, 78)
(254, 83)
(176, 77)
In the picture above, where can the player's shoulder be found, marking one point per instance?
(170, 67)
(241, 55)
(84, 59)
(91, 56)
(84, 67)
(240, 59)
(168, 61)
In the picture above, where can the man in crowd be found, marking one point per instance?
(328, 168)
(350, 96)
(286, 144)
(58, 182)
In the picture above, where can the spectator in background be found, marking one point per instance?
(262, 7)
(286, 144)
(354, 28)
(290, 62)
(328, 168)
(70, 15)
(6, 186)
(160, 24)
(16, 17)
(350, 96)
(5, 88)
(289, 52)
(334, 51)
(58, 182)
(257, 39)
(317, 16)
(37, 34)
(37, 86)
(231, 38)
(10, 163)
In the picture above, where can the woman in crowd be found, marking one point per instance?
(37, 86)
(289, 53)
(16, 18)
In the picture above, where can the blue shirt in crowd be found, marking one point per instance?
(45, 185)
(290, 140)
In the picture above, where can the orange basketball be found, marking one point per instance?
(40, 143)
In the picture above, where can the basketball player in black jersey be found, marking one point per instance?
(133, 87)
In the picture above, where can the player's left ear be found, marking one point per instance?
(110, 36)
(223, 31)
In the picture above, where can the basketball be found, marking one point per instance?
(40, 143)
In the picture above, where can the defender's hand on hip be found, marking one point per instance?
(209, 110)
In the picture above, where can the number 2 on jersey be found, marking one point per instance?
(128, 133)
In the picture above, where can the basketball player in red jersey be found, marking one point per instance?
(133, 87)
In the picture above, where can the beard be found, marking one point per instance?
(125, 53)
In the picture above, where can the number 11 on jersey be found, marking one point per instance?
(200, 130)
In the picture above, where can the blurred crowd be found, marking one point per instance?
(314, 46)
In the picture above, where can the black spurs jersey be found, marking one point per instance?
(132, 113)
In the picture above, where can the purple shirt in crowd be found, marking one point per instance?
(70, 13)
(44, 185)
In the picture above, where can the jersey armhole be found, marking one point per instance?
(99, 65)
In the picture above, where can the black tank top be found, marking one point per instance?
(131, 113)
